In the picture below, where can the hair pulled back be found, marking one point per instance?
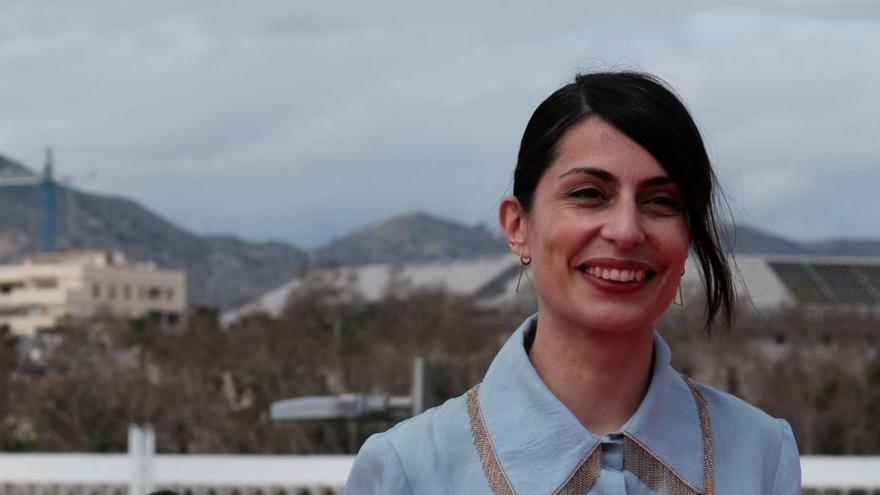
(642, 107)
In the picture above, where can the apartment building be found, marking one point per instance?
(84, 284)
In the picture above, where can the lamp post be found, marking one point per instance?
(354, 407)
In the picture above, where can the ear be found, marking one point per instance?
(512, 219)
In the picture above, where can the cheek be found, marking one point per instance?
(675, 245)
(552, 243)
(560, 241)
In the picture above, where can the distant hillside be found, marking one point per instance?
(423, 237)
(846, 247)
(8, 168)
(224, 271)
(750, 240)
(412, 237)
(221, 271)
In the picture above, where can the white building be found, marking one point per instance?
(766, 283)
(83, 284)
(492, 279)
(774, 282)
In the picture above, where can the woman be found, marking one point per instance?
(612, 189)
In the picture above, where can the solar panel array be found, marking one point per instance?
(830, 283)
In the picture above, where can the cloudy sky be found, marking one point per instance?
(301, 121)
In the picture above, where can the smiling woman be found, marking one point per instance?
(612, 189)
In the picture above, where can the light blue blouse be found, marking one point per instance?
(511, 435)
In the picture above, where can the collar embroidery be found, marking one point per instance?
(638, 458)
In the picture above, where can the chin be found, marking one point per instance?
(613, 318)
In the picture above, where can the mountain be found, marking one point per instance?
(749, 240)
(224, 271)
(413, 237)
(221, 271)
(424, 237)
(9, 168)
(846, 247)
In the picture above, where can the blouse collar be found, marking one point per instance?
(539, 442)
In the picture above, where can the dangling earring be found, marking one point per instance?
(524, 261)
(679, 295)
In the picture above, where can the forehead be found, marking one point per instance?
(596, 143)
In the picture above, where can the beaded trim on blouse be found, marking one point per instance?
(638, 458)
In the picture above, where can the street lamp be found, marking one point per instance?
(358, 406)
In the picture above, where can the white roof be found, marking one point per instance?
(458, 276)
(754, 279)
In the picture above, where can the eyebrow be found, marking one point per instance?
(606, 176)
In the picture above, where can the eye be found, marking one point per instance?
(589, 193)
(665, 202)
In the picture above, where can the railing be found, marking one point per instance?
(110, 474)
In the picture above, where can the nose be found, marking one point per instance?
(624, 226)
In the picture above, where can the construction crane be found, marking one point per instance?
(48, 188)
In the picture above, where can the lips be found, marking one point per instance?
(617, 271)
(615, 275)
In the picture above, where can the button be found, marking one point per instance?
(612, 452)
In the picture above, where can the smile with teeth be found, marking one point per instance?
(616, 275)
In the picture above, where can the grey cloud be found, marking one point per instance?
(301, 120)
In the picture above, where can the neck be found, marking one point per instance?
(600, 376)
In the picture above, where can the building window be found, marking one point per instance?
(111, 292)
(96, 290)
(45, 282)
(126, 292)
(8, 287)
(169, 294)
(154, 293)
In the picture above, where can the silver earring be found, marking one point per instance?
(679, 295)
(524, 261)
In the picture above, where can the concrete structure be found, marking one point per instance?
(775, 282)
(84, 284)
(491, 279)
(765, 283)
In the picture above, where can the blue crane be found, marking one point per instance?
(48, 188)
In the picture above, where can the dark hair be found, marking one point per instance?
(642, 107)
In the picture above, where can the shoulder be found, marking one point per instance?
(408, 456)
(730, 413)
(440, 427)
(746, 435)
(377, 469)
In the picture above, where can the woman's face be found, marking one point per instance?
(607, 233)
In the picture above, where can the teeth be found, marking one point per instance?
(616, 275)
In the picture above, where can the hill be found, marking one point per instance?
(221, 271)
(749, 240)
(412, 237)
(225, 271)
